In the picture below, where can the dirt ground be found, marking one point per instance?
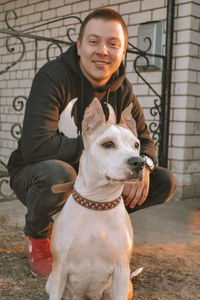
(170, 271)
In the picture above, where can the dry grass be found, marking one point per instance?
(170, 271)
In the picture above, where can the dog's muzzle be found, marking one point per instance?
(136, 163)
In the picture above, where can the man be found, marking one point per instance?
(63, 88)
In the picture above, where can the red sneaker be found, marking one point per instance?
(40, 258)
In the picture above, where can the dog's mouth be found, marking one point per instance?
(115, 179)
(127, 179)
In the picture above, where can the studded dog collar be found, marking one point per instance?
(94, 205)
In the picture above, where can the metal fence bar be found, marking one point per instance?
(166, 87)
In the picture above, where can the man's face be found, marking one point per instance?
(101, 50)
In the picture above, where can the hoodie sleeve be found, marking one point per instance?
(40, 138)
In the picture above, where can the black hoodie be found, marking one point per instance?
(54, 86)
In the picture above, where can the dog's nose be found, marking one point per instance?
(136, 162)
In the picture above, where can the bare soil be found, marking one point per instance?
(170, 271)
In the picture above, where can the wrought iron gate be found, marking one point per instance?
(161, 108)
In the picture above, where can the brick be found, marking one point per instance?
(184, 179)
(196, 9)
(184, 36)
(180, 153)
(34, 18)
(140, 17)
(132, 77)
(111, 2)
(63, 11)
(55, 4)
(140, 89)
(185, 50)
(182, 63)
(180, 76)
(187, 114)
(43, 6)
(150, 77)
(195, 37)
(50, 14)
(132, 31)
(177, 166)
(185, 9)
(194, 89)
(12, 118)
(195, 64)
(146, 4)
(195, 23)
(182, 23)
(181, 88)
(192, 167)
(192, 141)
(192, 76)
(30, 9)
(21, 3)
(33, 1)
(181, 128)
(159, 14)
(188, 36)
(132, 7)
(99, 3)
(9, 5)
(26, 65)
(25, 83)
(12, 84)
(197, 153)
(197, 125)
(147, 101)
(185, 1)
(80, 6)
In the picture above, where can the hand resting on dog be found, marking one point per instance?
(135, 193)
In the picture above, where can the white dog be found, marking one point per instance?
(92, 238)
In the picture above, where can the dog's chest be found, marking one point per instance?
(100, 235)
(99, 243)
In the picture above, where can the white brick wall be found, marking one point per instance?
(184, 149)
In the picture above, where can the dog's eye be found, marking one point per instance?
(108, 145)
(137, 146)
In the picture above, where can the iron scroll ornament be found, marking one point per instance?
(5, 191)
(155, 111)
(18, 105)
(27, 33)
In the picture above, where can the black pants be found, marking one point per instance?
(32, 186)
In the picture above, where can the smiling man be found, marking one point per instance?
(51, 143)
(101, 49)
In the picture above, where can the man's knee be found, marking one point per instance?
(52, 172)
(162, 184)
(34, 182)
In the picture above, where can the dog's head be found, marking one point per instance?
(111, 151)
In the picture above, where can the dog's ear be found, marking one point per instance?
(127, 119)
(93, 117)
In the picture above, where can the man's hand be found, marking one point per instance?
(136, 192)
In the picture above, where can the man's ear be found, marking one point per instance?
(127, 119)
(93, 117)
(78, 46)
(124, 54)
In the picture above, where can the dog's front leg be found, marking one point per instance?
(120, 284)
(57, 281)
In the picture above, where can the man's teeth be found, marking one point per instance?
(101, 63)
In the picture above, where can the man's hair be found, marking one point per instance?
(106, 14)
